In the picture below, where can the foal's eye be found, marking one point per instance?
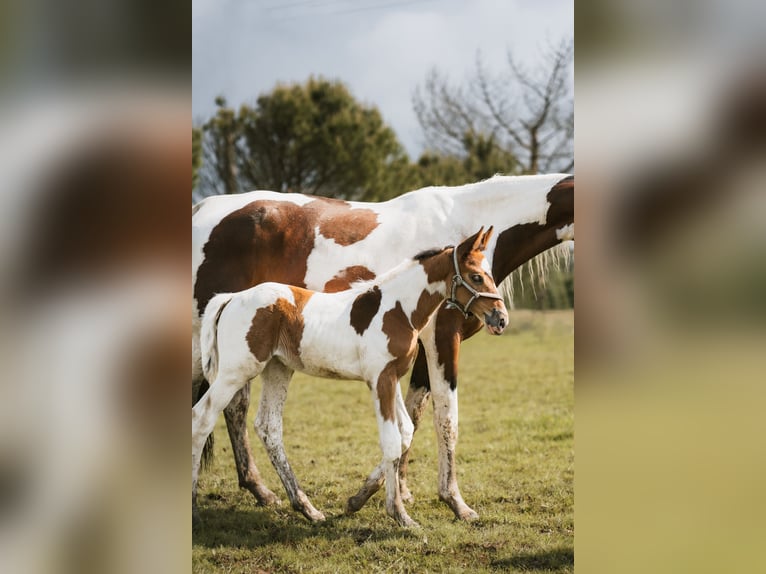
(476, 278)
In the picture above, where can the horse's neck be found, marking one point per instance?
(517, 207)
(408, 281)
(503, 201)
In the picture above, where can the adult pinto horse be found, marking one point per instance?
(242, 240)
(368, 333)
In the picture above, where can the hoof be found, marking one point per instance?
(407, 495)
(468, 515)
(354, 504)
(405, 521)
(311, 513)
(262, 494)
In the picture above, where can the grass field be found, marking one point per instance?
(515, 468)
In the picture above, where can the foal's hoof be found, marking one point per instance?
(406, 495)
(354, 504)
(467, 514)
(405, 521)
(312, 514)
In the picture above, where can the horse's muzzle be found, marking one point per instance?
(496, 321)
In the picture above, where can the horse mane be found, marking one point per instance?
(428, 253)
(536, 271)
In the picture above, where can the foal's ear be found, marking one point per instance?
(483, 240)
(471, 243)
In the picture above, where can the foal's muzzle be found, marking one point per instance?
(496, 321)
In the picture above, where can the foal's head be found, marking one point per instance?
(473, 291)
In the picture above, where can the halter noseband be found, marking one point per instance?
(457, 281)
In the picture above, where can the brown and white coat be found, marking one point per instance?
(368, 332)
(246, 239)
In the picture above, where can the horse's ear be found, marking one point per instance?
(476, 239)
(484, 239)
(471, 243)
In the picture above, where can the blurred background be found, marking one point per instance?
(94, 151)
(670, 146)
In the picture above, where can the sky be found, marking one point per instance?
(381, 49)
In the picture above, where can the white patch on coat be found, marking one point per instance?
(566, 233)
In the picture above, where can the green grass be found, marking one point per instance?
(515, 468)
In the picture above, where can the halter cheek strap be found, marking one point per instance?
(457, 281)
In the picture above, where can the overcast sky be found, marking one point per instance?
(382, 49)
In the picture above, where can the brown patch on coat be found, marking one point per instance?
(438, 267)
(262, 241)
(301, 297)
(402, 344)
(364, 308)
(522, 242)
(386, 387)
(342, 223)
(279, 326)
(451, 329)
(561, 198)
(270, 240)
(427, 304)
(345, 278)
(263, 334)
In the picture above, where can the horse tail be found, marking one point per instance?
(209, 334)
(209, 349)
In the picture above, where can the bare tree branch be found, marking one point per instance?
(529, 109)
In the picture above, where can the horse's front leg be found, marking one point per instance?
(442, 354)
(268, 424)
(377, 477)
(236, 423)
(384, 398)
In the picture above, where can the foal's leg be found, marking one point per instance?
(268, 424)
(391, 445)
(236, 422)
(442, 371)
(376, 479)
(418, 394)
(205, 413)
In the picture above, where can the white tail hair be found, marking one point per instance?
(209, 335)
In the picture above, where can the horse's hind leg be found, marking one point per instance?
(268, 424)
(418, 394)
(205, 413)
(236, 423)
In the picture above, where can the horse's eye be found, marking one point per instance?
(476, 278)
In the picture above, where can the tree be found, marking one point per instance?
(196, 155)
(310, 138)
(219, 152)
(522, 117)
(482, 158)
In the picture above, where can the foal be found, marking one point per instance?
(368, 332)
